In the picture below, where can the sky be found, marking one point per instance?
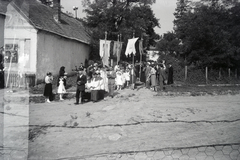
(163, 10)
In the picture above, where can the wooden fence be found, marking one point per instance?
(15, 80)
(207, 75)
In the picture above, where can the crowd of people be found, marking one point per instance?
(95, 82)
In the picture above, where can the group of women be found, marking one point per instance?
(61, 83)
(155, 75)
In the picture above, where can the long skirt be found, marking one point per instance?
(153, 80)
(2, 79)
(101, 94)
(143, 77)
(95, 95)
(48, 91)
(133, 79)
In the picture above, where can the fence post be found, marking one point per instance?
(229, 72)
(206, 75)
(220, 74)
(236, 73)
(185, 73)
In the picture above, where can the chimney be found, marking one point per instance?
(57, 10)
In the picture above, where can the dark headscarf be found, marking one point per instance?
(61, 75)
(61, 71)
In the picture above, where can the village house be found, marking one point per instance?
(2, 21)
(41, 39)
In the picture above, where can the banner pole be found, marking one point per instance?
(117, 49)
(105, 48)
(140, 70)
(133, 62)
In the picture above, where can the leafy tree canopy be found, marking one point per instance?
(208, 32)
(125, 17)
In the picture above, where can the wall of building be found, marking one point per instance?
(2, 19)
(20, 34)
(54, 51)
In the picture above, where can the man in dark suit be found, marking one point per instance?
(170, 74)
(81, 81)
(162, 76)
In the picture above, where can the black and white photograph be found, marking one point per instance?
(119, 79)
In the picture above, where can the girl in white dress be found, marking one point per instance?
(61, 88)
(118, 80)
(127, 76)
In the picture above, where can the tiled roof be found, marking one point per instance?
(41, 17)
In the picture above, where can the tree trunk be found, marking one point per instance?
(229, 73)
(185, 73)
(220, 73)
(206, 75)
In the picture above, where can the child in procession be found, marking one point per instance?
(61, 88)
(127, 77)
(118, 79)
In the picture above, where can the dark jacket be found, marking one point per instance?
(81, 81)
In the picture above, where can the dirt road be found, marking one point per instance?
(136, 124)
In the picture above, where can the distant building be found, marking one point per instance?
(152, 54)
(42, 38)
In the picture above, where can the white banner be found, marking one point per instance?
(104, 51)
(131, 46)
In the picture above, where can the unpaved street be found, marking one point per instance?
(133, 121)
(135, 124)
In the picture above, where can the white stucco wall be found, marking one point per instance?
(54, 51)
(20, 32)
(2, 19)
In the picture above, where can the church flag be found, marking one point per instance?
(131, 46)
(119, 50)
(115, 47)
(102, 47)
(141, 47)
(104, 51)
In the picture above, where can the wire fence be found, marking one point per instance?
(193, 75)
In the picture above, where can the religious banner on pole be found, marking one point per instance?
(131, 46)
(115, 47)
(102, 47)
(104, 51)
(141, 47)
(119, 50)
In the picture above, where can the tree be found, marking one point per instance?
(205, 35)
(123, 17)
(169, 44)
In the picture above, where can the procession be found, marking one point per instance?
(95, 82)
(119, 80)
